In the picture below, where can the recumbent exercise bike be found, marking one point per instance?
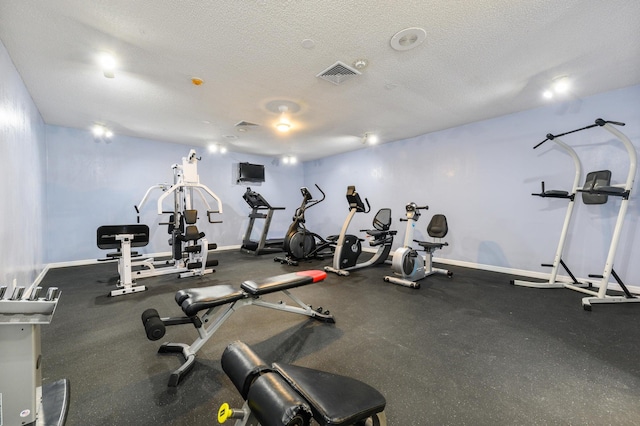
(407, 264)
(349, 247)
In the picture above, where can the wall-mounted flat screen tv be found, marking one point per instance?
(248, 172)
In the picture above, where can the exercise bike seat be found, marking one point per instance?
(437, 228)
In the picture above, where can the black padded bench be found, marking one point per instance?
(217, 303)
(284, 394)
(110, 237)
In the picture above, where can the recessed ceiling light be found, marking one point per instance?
(196, 81)
(370, 138)
(108, 64)
(289, 159)
(101, 131)
(547, 94)
(561, 85)
(408, 38)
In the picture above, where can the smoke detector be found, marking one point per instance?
(338, 73)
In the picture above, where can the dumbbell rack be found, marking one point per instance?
(24, 400)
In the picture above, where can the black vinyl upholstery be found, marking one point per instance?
(274, 403)
(335, 400)
(242, 366)
(290, 395)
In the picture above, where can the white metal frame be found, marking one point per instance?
(187, 183)
(557, 260)
(601, 295)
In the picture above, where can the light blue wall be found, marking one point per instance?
(92, 183)
(481, 176)
(22, 152)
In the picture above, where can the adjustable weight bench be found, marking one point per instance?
(218, 303)
(289, 395)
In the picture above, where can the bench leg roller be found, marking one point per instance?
(153, 325)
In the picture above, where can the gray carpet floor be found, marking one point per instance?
(467, 350)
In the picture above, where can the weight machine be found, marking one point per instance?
(24, 399)
(190, 248)
(596, 190)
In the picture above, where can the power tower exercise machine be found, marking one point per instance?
(300, 243)
(190, 248)
(264, 245)
(597, 190)
(554, 282)
(407, 264)
(349, 247)
(24, 399)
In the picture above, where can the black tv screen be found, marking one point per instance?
(248, 172)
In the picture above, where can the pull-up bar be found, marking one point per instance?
(599, 122)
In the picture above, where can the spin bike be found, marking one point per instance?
(407, 264)
(299, 242)
(349, 247)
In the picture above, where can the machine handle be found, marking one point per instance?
(322, 192)
(422, 208)
(209, 212)
(312, 203)
(366, 200)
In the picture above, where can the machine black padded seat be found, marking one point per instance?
(335, 400)
(106, 235)
(282, 282)
(430, 245)
(273, 394)
(194, 300)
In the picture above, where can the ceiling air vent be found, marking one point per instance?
(246, 125)
(338, 73)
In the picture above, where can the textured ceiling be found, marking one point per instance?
(480, 59)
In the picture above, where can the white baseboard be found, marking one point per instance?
(530, 274)
(461, 263)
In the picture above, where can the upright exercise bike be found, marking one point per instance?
(407, 264)
(349, 247)
(299, 242)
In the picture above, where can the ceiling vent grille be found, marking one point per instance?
(338, 73)
(246, 125)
